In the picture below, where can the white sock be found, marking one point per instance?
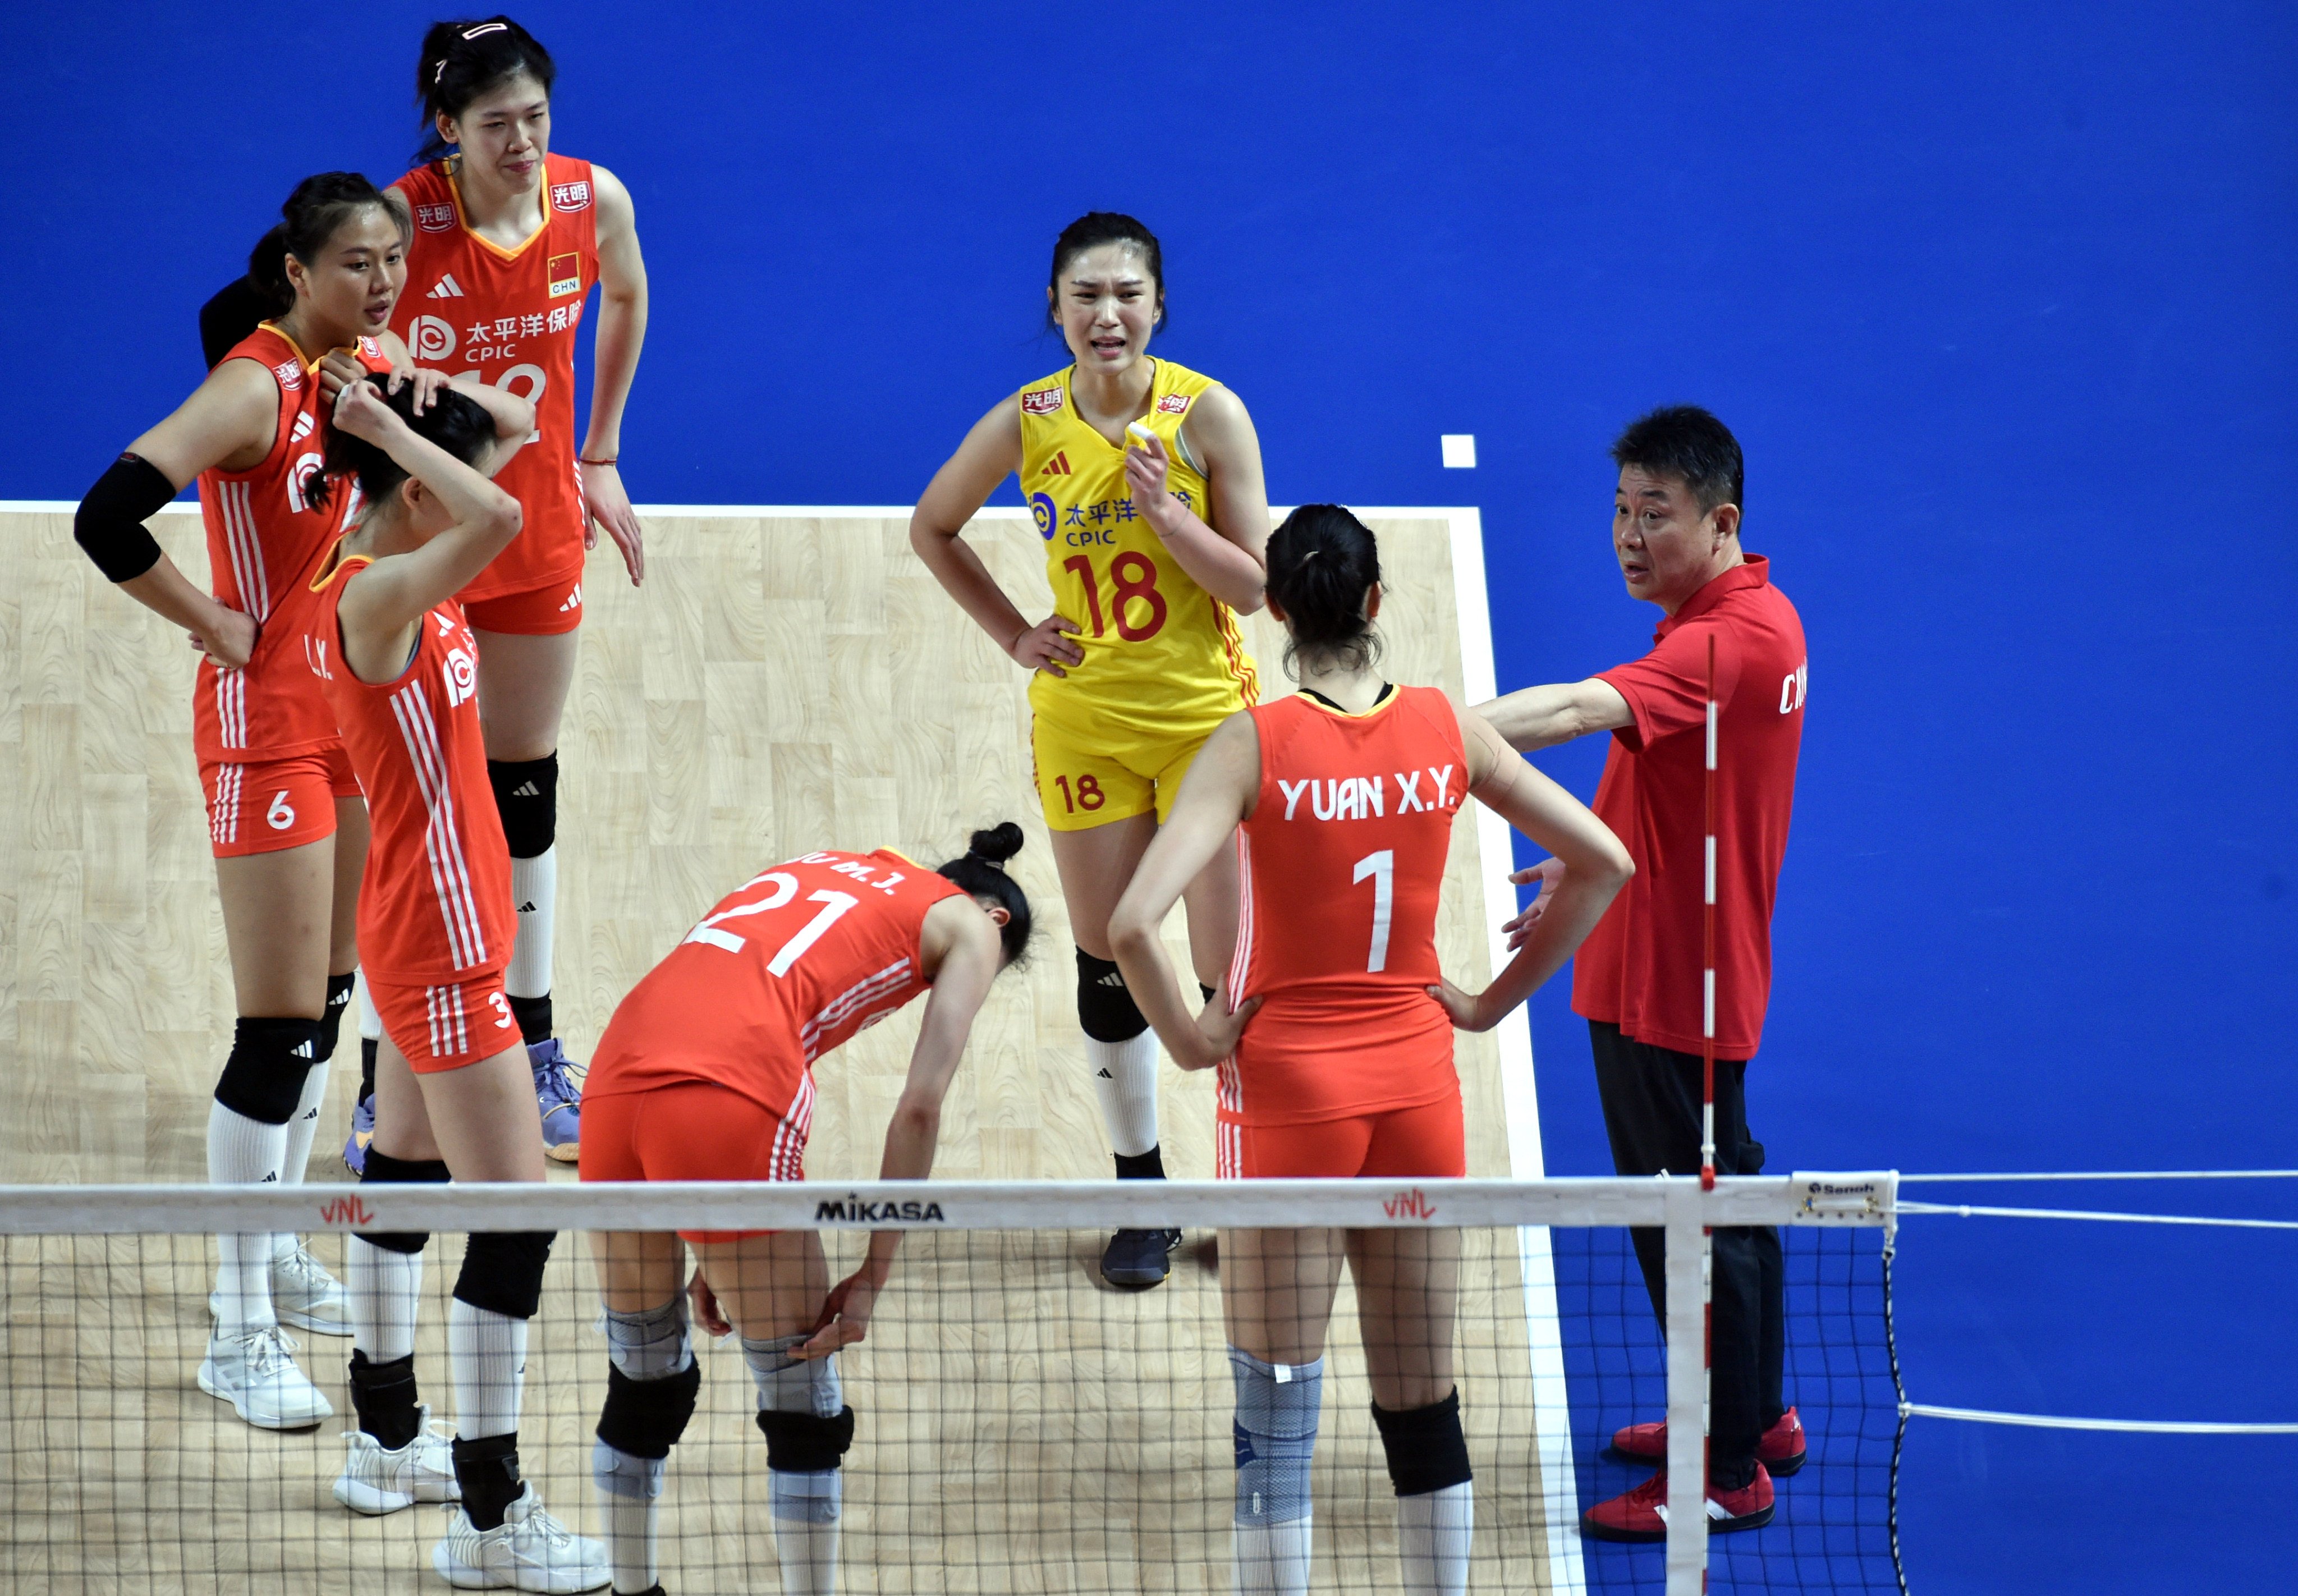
(535, 891)
(1433, 1531)
(384, 1289)
(1125, 1074)
(302, 1131)
(805, 1509)
(486, 1359)
(242, 1151)
(1271, 1560)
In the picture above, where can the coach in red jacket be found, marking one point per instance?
(1639, 980)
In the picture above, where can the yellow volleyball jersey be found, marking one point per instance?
(1162, 655)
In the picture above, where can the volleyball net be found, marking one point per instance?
(1018, 1425)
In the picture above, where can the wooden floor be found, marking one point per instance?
(779, 684)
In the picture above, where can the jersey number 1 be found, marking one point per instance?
(784, 888)
(1382, 868)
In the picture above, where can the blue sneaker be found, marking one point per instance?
(560, 1098)
(362, 1133)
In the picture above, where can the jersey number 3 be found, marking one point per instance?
(781, 889)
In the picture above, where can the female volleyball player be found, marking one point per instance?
(706, 1073)
(285, 822)
(1335, 1037)
(454, 1097)
(1144, 479)
(507, 240)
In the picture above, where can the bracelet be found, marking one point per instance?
(585, 460)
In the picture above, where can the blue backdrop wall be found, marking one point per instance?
(1997, 297)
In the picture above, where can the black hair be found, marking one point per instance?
(1091, 231)
(462, 61)
(1322, 562)
(454, 422)
(982, 871)
(320, 204)
(1684, 442)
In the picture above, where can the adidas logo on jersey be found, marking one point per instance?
(1058, 465)
(446, 287)
(304, 425)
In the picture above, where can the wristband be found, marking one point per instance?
(585, 460)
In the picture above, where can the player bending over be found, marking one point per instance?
(1335, 1037)
(454, 1097)
(706, 1073)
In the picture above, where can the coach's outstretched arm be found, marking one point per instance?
(1532, 718)
(1596, 867)
(1219, 791)
(970, 957)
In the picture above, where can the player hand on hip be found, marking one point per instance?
(1550, 875)
(1464, 1008)
(1218, 1030)
(229, 640)
(1046, 643)
(610, 507)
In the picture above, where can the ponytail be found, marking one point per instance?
(981, 873)
(1322, 564)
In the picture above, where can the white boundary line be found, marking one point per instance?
(2135, 1427)
(1551, 1398)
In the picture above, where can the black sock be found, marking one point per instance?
(384, 1393)
(487, 1469)
(1148, 1166)
(368, 1045)
(534, 1017)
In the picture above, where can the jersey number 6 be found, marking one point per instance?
(782, 889)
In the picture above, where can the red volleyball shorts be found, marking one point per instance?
(1429, 1140)
(270, 805)
(544, 611)
(445, 1027)
(694, 1130)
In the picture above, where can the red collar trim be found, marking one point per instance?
(1754, 570)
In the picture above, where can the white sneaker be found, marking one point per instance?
(529, 1550)
(302, 1294)
(377, 1481)
(256, 1374)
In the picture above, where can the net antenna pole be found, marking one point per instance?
(1708, 1100)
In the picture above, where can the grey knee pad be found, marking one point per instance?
(650, 1344)
(1275, 1429)
(618, 1473)
(787, 1385)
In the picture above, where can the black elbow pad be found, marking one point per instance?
(109, 524)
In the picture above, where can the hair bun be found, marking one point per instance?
(996, 846)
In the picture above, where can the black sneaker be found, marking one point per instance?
(1134, 1260)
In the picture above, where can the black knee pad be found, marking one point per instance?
(526, 796)
(383, 1170)
(331, 1018)
(801, 1444)
(263, 1077)
(1426, 1449)
(502, 1272)
(646, 1418)
(1105, 1008)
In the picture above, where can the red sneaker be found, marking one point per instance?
(1781, 1451)
(1642, 1514)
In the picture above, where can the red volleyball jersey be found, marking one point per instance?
(1342, 863)
(508, 317)
(263, 535)
(788, 965)
(434, 901)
